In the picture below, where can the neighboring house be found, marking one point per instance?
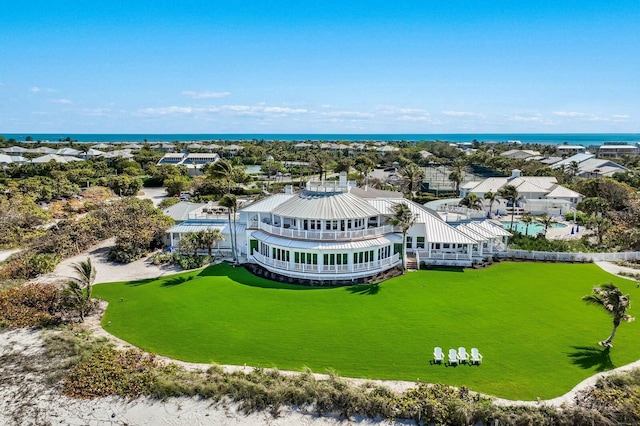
(334, 231)
(12, 159)
(232, 150)
(180, 212)
(540, 194)
(564, 150)
(590, 166)
(55, 157)
(193, 161)
(617, 150)
(519, 154)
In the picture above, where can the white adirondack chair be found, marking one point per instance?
(476, 357)
(453, 357)
(463, 356)
(438, 355)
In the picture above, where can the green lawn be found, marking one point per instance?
(537, 337)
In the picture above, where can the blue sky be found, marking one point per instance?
(320, 66)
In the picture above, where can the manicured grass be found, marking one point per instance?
(537, 337)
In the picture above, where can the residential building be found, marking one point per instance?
(540, 194)
(335, 232)
(618, 150)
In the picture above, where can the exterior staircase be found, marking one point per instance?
(412, 262)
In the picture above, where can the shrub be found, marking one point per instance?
(168, 202)
(28, 264)
(187, 261)
(111, 372)
(32, 305)
(163, 258)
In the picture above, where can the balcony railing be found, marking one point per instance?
(330, 269)
(330, 235)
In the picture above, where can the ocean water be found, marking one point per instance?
(584, 139)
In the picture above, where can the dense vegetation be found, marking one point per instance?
(91, 368)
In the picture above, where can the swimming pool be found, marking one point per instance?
(534, 228)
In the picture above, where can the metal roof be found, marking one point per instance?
(495, 228)
(266, 205)
(563, 192)
(325, 205)
(578, 158)
(56, 158)
(327, 245)
(201, 225)
(432, 226)
(15, 150)
(471, 233)
(485, 232)
(181, 210)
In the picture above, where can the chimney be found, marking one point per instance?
(515, 173)
(288, 189)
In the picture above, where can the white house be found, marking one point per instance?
(335, 232)
(540, 194)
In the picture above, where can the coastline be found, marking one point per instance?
(584, 139)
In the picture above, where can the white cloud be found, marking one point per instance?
(96, 112)
(583, 116)
(348, 114)
(166, 110)
(36, 89)
(621, 117)
(62, 101)
(260, 110)
(204, 95)
(234, 110)
(570, 114)
(404, 114)
(462, 114)
(527, 119)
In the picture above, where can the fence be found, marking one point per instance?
(570, 256)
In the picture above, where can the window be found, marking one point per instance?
(409, 241)
(420, 242)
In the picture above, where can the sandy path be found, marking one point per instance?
(107, 271)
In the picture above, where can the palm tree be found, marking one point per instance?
(78, 291)
(456, 177)
(320, 163)
(527, 219)
(546, 221)
(404, 218)
(510, 193)
(491, 197)
(223, 170)
(600, 224)
(611, 299)
(209, 237)
(189, 243)
(231, 203)
(412, 174)
(471, 201)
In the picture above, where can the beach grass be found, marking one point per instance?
(537, 337)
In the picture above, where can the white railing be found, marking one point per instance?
(322, 235)
(210, 216)
(334, 269)
(424, 255)
(570, 256)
